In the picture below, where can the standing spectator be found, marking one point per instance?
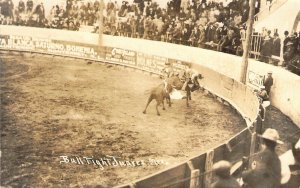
(10, 10)
(276, 45)
(266, 49)
(265, 169)
(224, 179)
(147, 27)
(268, 82)
(286, 40)
(29, 6)
(133, 25)
(21, 6)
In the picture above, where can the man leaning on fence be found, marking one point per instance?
(265, 170)
(224, 179)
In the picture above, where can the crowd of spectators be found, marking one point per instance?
(270, 47)
(198, 23)
(30, 14)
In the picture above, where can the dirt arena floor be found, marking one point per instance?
(53, 107)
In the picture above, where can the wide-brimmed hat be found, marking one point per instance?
(272, 135)
(269, 72)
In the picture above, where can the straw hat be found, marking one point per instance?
(271, 134)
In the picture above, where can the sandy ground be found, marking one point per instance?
(54, 107)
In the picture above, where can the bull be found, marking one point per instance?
(160, 93)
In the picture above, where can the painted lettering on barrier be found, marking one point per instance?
(255, 79)
(179, 65)
(121, 56)
(49, 46)
(151, 63)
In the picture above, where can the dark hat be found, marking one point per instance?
(222, 168)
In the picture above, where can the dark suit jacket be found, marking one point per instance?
(265, 172)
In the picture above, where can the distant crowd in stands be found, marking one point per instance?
(30, 14)
(271, 45)
(198, 23)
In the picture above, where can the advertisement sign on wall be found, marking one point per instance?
(50, 46)
(255, 80)
(121, 56)
(179, 65)
(151, 63)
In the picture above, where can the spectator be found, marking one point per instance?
(276, 45)
(224, 179)
(268, 83)
(21, 6)
(290, 164)
(266, 48)
(286, 40)
(29, 6)
(265, 169)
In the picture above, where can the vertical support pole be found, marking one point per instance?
(100, 22)
(250, 22)
(252, 148)
(208, 168)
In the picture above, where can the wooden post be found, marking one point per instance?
(208, 168)
(194, 181)
(250, 22)
(252, 148)
(100, 22)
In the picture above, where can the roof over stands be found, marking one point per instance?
(282, 19)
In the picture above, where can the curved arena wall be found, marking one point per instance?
(284, 96)
(220, 72)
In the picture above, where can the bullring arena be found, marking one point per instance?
(71, 111)
(69, 108)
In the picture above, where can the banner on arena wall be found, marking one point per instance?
(120, 56)
(51, 46)
(255, 79)
(179, 65)
(151, 63)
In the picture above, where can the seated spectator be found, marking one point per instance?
(262, 94)
(224, 179)
(265, 169)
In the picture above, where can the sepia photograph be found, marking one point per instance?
(150, 93)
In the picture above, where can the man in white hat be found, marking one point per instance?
(290, 166)
(265, 169)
